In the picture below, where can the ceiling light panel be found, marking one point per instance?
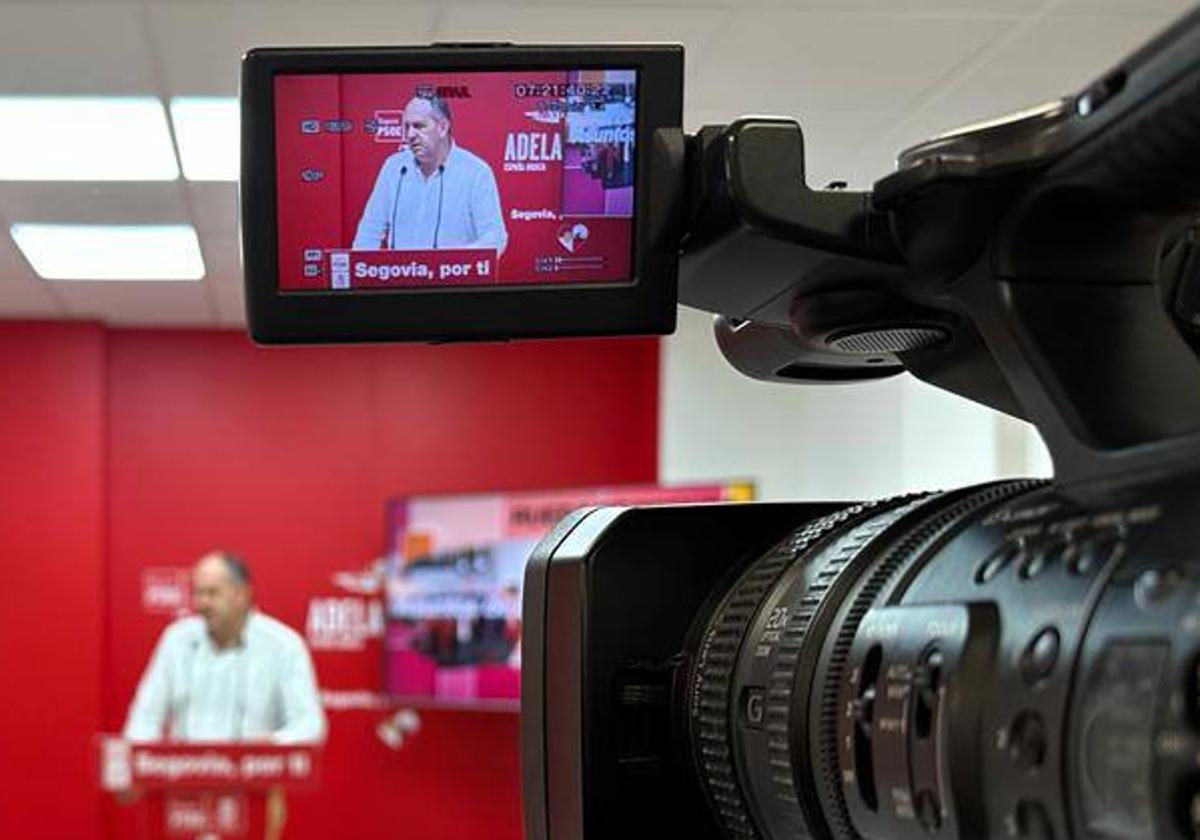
(207, 130)
(111, 252)
(85, 138)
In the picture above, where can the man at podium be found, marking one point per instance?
(227, 673)
(432, 193)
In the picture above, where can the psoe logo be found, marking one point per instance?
(166, 591)
(387, 127)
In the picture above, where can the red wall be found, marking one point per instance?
(286, 456)
(51, 550)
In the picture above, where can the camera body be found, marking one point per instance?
(1017, 659)
(1010, 660)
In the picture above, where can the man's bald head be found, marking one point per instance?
(427, 131)
(221, 594)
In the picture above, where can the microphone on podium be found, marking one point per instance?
(388, 238)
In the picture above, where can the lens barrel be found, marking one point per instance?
(923, 667)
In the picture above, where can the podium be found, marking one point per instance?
(208, 791)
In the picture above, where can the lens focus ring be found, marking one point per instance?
(710, 691)
(952, 511)
(787, 744)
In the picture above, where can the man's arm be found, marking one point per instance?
(303, 719)
(148, 712)
(486, 214)
(376, 216)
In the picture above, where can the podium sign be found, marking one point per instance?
(178, 767)
(419, 268)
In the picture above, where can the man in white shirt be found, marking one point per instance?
(228, 673)
(433, 193)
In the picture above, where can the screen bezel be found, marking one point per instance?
(645, 303)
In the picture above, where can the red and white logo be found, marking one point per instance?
(546, 116)
(389, 126)
(360, 582)
(572, 236)
(166, 591)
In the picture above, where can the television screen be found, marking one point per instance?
(417, 180)
(461, 192)
(453, 574)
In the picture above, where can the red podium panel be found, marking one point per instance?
(208, 790)
(411, 268)
(242, 766)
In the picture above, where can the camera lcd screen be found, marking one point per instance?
(461, 192)
(435, 180)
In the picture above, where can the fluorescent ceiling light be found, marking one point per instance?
(111, 252)
(207, 130)
(85, 138)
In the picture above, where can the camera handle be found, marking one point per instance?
(1071, 294)
(802, 278)
(1053, 313)
(1035, 286)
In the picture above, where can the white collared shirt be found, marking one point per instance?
(457, 206)
(263, 689)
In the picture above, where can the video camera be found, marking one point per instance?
(1017, 659)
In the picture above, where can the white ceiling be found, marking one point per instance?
(864, 77)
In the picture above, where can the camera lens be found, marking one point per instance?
(1009, 660)
(801, 694)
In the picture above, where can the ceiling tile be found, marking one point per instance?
(83, 203)
(139, 304)
(201, 45)
(582, 24)
(692, 27)
(796, 62)
(225, 278)
(1132, 8)
(22, 294)
(233, 313)
(214, 206)
(1055, 57)
(74, 48)
(863, 77)
(922, 8)
(109, 203)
